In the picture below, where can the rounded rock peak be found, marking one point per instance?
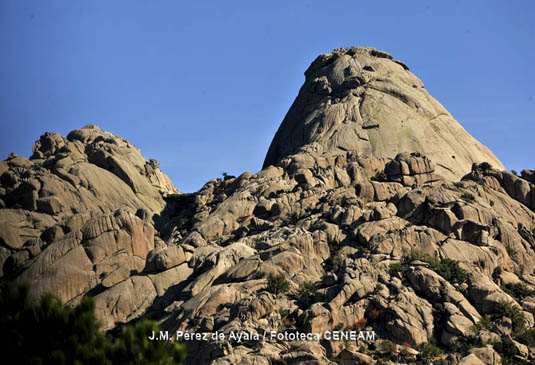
(92, 126)
(362, 99)
(91, 133)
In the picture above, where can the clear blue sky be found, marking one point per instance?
(203, 86)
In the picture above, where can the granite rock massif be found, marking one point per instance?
(362, 100)
(375, 211)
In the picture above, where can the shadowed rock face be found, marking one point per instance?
(362, 100)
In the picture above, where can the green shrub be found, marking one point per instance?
(510, 251)
(417, 255)
(447, 268)
(278, 284)
(469, 197)
(518, 290)
(508, 349)
(258, 275)
(430, 351)
(506, 309)
(334, 263)
(134, 347)
(387, 346)
(405, 355)
(484, 323)
(451, 271)
(397, 267)
(306, 293)
(48, 333)
(527, 337)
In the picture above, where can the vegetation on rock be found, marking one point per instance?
(278, 284)
(49, 333)
(469, 197)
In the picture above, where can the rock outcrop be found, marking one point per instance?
(334, 234)
(69, 212)
(362, 100)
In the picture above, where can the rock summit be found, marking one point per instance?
(362, 100)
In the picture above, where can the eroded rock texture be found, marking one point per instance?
(361, 99)
(69, 212)
(367, 235)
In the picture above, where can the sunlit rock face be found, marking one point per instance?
(361, 99)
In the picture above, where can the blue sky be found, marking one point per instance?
(203, 86)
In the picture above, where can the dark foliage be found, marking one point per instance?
(451, 271)
(278, 284)
(397, 267)
(518, 290)
(512, 312)
(469, 197)
(447, 268)
(306, 294)
(334, 263)
(48, 333)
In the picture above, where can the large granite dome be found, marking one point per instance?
(360, 99)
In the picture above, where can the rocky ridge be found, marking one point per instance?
(442, 269)
(72, 192)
